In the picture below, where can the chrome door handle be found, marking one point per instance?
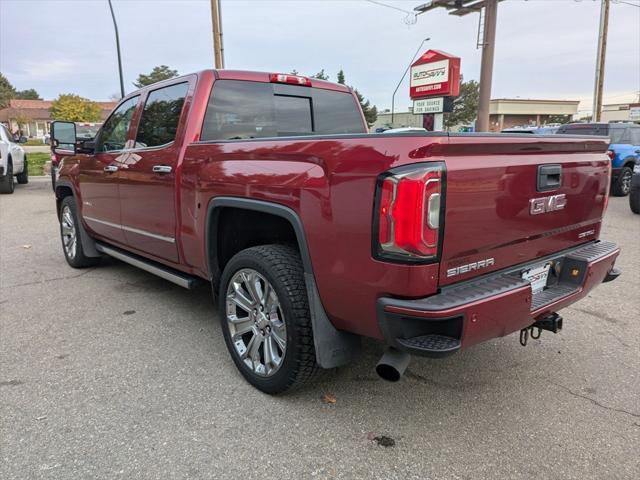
(111, 168)
(161, 169)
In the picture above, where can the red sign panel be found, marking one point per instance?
(435, 74)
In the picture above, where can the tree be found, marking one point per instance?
(29, 94)
(341, 77)
(321, 75)
(159, 73)
(74, 108)
(370, 111)
(465, 106)
(7, 91)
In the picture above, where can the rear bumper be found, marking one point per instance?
(493, 305)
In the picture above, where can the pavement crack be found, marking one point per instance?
(47, 280)
(594, 401)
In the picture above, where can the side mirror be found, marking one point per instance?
(23, 140)
(63, 137)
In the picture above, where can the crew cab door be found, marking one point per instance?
(148, 177)
(98, 173)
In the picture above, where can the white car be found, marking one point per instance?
(13, 162)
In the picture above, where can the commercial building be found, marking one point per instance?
(35, 117)
(621, 112)
(503, 113)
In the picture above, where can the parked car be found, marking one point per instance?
(624, 149)
(546, 130)
(13, 161)
(314, 232)
(634, 191)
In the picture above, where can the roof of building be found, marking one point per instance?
(39, 109)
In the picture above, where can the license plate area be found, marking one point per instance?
(537, 276)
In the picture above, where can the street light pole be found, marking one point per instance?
(115, 26)
(486, 68)
(602, 50)
(393, 97)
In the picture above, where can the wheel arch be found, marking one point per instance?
(333, 347)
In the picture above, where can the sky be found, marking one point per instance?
(545, 49)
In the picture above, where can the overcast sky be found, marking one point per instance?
(545, 48)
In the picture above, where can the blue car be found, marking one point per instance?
(624, 149)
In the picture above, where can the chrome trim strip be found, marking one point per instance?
(132, 230)
(184, 282)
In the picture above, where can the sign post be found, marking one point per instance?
(434, 81)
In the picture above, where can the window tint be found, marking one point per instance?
(635, 135)
(241, 109)
(160, 116)
(618, 135)
(114, 132)
(578, 129)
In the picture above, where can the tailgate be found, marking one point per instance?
(511, 199)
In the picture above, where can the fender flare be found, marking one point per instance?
(333, 347)
(88, 243)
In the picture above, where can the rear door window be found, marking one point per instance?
(161, 115)
(241, 110)
(635, 135)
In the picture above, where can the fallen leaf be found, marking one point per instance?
(328, 398)
(384, 441)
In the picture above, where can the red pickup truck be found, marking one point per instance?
(314, 233)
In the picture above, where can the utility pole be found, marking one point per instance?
(602, 50)
(461, 8)
(218, 49)
(115, 26)
(486, 68)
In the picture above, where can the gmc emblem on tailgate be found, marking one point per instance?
(547, 204)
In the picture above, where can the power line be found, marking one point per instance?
(411, 17)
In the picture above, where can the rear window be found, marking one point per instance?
(240, 109)
(616, 134)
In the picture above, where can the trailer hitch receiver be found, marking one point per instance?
(552, 323)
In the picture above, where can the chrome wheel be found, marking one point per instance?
(625, 181)
(256, 322)
(69, 236)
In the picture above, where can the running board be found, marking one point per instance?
(174, 276)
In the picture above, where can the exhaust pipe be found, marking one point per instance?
(392, 364)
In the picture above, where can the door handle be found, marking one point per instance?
(161, 169)
(111, 168)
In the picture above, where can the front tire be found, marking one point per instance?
(23, 178)
(6, 181)
(623, 183)
(70, 235)
(266, 323)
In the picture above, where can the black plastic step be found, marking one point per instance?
(431, 345)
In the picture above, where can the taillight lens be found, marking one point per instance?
(611, 154)
(409, 209)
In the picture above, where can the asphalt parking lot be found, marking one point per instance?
(113, 373)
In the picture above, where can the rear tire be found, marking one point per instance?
(6, 181)
(623, 183)
(70, 235)
(634, 200)
(264, 307)
(23, 178)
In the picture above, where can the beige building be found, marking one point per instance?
(503, 113)
(515, 112)
(35, 117)
(621, 112)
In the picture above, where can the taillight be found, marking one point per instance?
(408, 212)
(291, 79)
(611, 154)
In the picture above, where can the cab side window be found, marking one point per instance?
(113, 135)
(161, 115)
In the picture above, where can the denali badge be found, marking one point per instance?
(470, 267)
(547, 204)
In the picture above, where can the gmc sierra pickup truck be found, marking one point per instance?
(314, 233)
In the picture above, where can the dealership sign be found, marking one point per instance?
(435, 74)
(428, 105)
